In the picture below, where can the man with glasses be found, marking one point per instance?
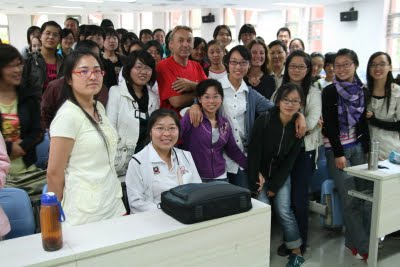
(178, 76)
(42, 67)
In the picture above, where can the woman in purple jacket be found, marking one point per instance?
(212, 137)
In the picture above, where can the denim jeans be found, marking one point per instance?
(282, 207)
(354, 210)
(301, 174)
(239, 178)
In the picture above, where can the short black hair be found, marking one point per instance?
(202, 87)
(243, 51)
(297, 39)
(283, 29)
(278, 42)
(31, 30)
(8, 53)
(121, 31)
(329, 58)
(246, 28)
(144, 57)
(287, 88)
(51, 23)
(94, 30)
(156, 44)
(218, 28)
(106, 23)
(74, 19)
(145, 31)
(87, 44)
(158, 30)
(65, 32)
(159, 114)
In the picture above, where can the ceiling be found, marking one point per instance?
(120, 6)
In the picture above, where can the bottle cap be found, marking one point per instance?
(49, 199)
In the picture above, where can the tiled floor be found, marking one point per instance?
(327, 249)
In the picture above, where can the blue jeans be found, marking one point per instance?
(301, 174)
(354, 210)
(239, 178)
(282, 207)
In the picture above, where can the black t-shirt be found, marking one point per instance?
(266, 85)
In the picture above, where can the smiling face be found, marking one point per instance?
(67, 41)
(211, 100)
(317, 65)
(11, 74)
(160, 37)
(257, 55)
(182, 44)
(86, 87)
(296, 45)
(164, 134)
(198, 53)
(278, 56)
(379, 67)
(238, 66)
(224, 37)
(50, 37)
(297, 69)
(290, 104)
(247, 38)
(284, 37)
(140, 74)
(344, 68)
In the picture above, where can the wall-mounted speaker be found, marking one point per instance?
(208, 19)
(351, 15)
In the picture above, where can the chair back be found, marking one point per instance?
(18, 208)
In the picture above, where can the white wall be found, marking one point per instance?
(17, 27)
(365, 36)
(268, 24)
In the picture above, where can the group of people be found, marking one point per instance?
(158, 111)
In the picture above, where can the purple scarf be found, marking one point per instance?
(350, 103)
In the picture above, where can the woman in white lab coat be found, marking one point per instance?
(159, 166)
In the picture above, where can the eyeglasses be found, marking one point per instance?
(208, 98)
(161, 130)
(345, 66)
(20, 66)
(241, 63)
(144, 68)
(88, 73)
(298, 67)
(295, 102)
(378, 65)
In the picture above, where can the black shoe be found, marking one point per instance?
(283, 251)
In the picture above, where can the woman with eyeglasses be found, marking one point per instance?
(346, 140)
(383, 110)
(19, 122)
(241, 106)
(271, 159)
(212, 137)
(82, 148)
(67, 40)
(159, 166)
(298, 70)
(155, 49)
(130, 105)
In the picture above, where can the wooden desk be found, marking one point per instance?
(385, 199)
(153, 239)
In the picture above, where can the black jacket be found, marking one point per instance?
(331, 121)
(273, 150)
(31, 132)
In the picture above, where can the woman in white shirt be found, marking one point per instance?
(82, 147)
(130, 104)
(159, 166)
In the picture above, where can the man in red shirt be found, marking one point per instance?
(177, 76)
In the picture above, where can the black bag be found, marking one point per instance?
(191, 203)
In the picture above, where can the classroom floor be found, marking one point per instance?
(326, 249)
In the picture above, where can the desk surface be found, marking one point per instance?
(97, 239)
(393, 171)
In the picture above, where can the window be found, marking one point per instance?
(4, 29)
(293, 17)
(230, 20)
(127, 20)
(195, 22)
(38, 20)
(146, 20)
(315, 29)
(393, 34)
(95, 18)
(175, 19)
(250, 17)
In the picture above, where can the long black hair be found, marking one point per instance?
(389, 78)
(69, 65)
(307, 81)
